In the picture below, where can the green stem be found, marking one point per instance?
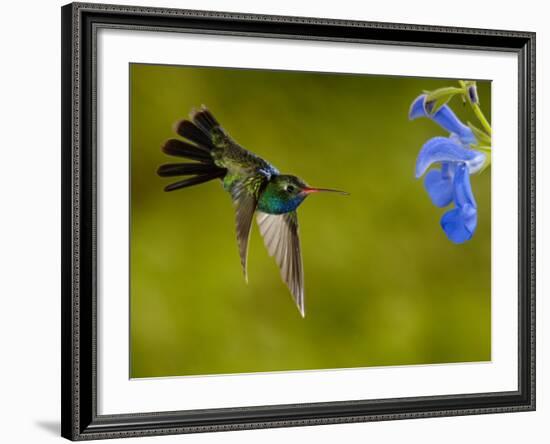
(481, 117)
(446, 91)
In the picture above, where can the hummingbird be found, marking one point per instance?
(256, 188)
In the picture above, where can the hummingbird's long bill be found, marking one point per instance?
(309, 190)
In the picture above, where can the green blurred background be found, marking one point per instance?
(383, 284)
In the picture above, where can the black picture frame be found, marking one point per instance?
(79, 210)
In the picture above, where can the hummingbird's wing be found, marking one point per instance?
(245, 198)
(280, 233)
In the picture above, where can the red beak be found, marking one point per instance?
(309, 190)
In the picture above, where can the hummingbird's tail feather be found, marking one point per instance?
(178, 148)
(202, 171)
(205, 120)
(203, 129)
(188, 169)
(195, 180)
(203, 135)
(192, 132)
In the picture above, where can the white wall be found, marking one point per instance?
(30, 233)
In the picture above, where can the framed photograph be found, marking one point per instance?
(284, 221)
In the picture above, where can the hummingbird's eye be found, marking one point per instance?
(290, 188)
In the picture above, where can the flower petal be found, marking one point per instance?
(460, 223)
(439, 185)
(417, 108)
(445, 149)
(444, 116)
(462, 188)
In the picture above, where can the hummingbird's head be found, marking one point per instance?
(285, 193)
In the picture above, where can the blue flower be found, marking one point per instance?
(451, 182)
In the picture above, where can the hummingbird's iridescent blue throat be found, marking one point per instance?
(255, 186)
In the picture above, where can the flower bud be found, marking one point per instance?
(472, 94)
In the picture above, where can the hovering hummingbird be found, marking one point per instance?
(255, 186)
